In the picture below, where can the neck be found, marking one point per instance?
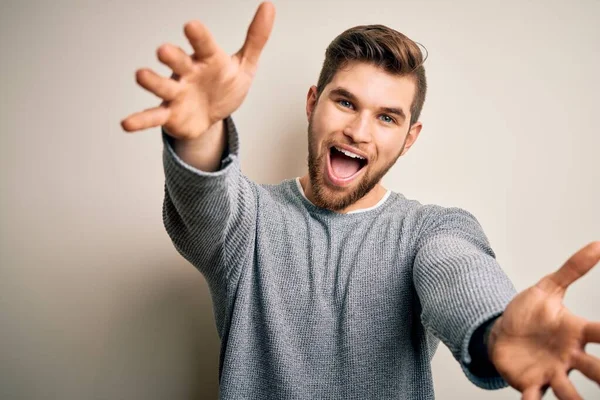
(369, 200)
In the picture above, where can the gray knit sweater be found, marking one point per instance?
(312, 304)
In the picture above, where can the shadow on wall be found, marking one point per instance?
(163, 342)
(283, 152)
(292, 157)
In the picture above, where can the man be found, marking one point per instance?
(331, 286)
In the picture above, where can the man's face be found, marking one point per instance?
(357, 129)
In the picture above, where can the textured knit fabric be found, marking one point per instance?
(313, 304)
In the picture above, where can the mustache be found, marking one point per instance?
(327, 144)
(342, 139)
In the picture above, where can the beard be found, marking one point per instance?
(336, 199)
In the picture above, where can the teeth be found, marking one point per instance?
(348, 153)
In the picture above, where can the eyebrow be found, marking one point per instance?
(340, 91)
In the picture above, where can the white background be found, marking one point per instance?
(95, 303)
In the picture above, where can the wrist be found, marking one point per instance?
(480, 346)
(490, 337)
(210, 136)
(204, 152)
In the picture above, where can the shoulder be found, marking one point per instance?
(428, 219)
(426, 213)
(281, 195)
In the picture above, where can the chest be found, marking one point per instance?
(359, 269)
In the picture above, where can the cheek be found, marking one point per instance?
(316, 134)
(388, 146)
(329, 119)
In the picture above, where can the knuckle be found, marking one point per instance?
(576, 356)
(176, 116)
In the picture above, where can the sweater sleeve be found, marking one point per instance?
(459, 283)
(210, 216)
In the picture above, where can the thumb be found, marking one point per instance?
(574, 268)
(258, 34)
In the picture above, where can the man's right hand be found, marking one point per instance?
(205, 87)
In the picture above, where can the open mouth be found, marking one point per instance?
(344, 165)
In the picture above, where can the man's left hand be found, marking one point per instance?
(537, 341)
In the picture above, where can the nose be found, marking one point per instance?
(358, 129)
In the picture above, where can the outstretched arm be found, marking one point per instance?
(460, 286)
(209, 209)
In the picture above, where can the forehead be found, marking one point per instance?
(374, 86)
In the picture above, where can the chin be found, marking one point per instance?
(337, 197)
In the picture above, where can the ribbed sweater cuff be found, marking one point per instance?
(490, 382)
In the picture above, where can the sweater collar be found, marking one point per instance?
(379, 203)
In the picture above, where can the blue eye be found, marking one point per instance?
(345, 103)
(387, 119)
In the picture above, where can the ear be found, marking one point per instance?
(412, 136)
(311, 101)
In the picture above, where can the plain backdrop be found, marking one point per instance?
(95, 303)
